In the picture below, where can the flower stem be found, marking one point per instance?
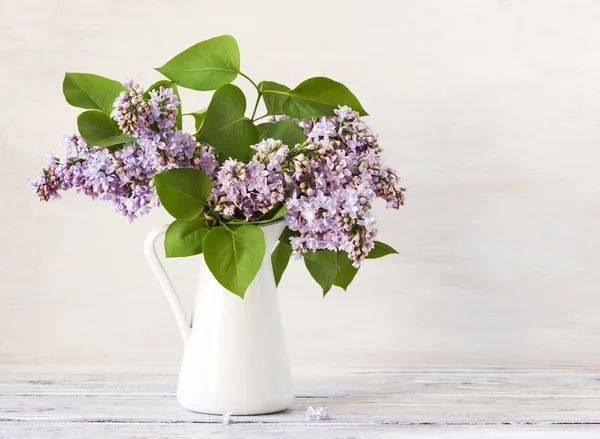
(257, 98)
(256, 106)
(261, 117)
(253, 83)
(214, 214)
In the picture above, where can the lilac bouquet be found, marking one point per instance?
(313, 163)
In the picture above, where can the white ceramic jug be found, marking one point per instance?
(235, 357)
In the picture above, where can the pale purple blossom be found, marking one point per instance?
(323, 130)
(317, 414)
(227, 418)
(327, 183)
(124, 177)
(332, 181)
(367, 221)
(132, 111)
(249, 190)
(343, 113)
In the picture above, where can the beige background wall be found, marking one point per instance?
(490, 109)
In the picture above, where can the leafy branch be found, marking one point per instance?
(233, 248)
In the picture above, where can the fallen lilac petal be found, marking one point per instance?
(317, 414)
(227, 418)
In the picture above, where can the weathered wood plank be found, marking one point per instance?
(323, 430)
(394, 404)
(372, 410)
(532, 382)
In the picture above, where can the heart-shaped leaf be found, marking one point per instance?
(329, 268)
(380, 250)
(183, 192)
(98, 129)
(184, 238)
(273, 95)
(280, 259)
(168, 84)
(234, 256)
(345, 271)
(322, 266)
(287, 131)
(85, 90)
(319, 97)
(225, 127)
(206, 65)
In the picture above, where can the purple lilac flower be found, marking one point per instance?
(343, 113)
(124, 177)
(333, 181)
(317, 414)
(132, 111)
(327, 183)
(248, 190)
(48, 181)
(227, 419)
(163, 104)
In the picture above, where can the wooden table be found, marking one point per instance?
(401, 404)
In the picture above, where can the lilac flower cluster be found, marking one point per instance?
(125, 176)
(248, 190)
(80, 167)
(48, 181)
(332, 180)
(133, 112)
(93, 172)
(327, 183)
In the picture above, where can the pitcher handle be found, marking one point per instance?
(165, 282)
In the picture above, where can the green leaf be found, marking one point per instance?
(380, 250)
(329, 268)
(287, 131)
(184, 238)
(287, 234)
(235, 256)
(183, 192)
(167, 84)
(274, 213)
(319, 97)
(345, 271)
(322, 266)
(279, 260)
(85, 90)
(98, 129)
(205, 66)
(225, 127)
(198, 118)
(273, 95)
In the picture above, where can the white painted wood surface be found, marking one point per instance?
(409, 404)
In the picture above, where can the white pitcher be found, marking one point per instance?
(235, 357)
